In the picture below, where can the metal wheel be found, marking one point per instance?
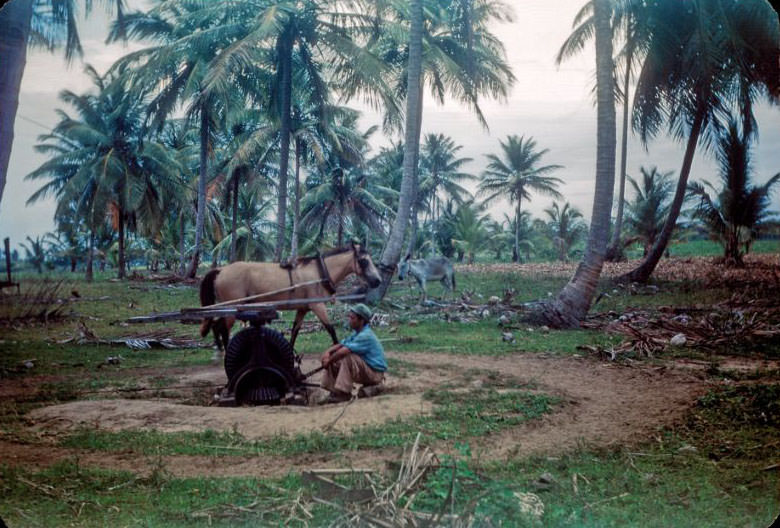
(260, 365)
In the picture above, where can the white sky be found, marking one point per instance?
(554, 105)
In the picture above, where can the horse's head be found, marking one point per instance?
(403, 269)
(364, 266)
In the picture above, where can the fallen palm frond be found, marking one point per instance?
(391, 504)
(372, 499)
(143, 341)
(708, 328)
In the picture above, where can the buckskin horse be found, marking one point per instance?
(305, 278)
(424, 270)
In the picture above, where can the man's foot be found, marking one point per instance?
(338, 397)
(366, 391)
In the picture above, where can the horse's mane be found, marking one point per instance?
(330, 252)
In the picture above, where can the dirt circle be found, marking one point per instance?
(603, 404)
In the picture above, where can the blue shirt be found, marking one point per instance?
(366, 345)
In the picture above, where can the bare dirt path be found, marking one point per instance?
(604, 404)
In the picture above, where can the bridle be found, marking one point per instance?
(327, 281)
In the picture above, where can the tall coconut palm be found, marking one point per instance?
(737, 207)
(441, 170)
(181, 141)
(187, 38)
(43, 23)
(301, 41)
(647, 211)
(704, 58)
(457, 55)
(574, 300)
(629, 30)
(516, 175)
(100, 159)
(392, 250)
(565, 226)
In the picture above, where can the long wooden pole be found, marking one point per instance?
(266, 294)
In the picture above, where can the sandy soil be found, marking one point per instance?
(604, 404)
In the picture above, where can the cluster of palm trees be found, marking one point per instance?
(698, 64)
(242, 91)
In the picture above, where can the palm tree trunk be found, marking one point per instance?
(15, 20)
(285, 50)
(234, 220)
(121, 255)
(296, 203)
(573, 302)
(645, 269)
(340, 237)
(392, 252)
(614, 252)
(415, 220)
(200, 217)
(182, 246)
(517, 230)
(88, 275)
(413, 233)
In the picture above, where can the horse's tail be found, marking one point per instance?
(207, 297)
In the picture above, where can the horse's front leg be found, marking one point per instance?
(296, 327)
(322, 314)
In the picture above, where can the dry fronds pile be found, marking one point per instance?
(39, 303)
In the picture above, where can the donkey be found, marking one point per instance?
(321, 274)
(423, 270)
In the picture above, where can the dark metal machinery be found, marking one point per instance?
(260, 364)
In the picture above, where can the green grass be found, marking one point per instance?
(68, 495)
(709, 472)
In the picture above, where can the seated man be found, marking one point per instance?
(359, 358)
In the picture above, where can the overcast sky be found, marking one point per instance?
(551, 104)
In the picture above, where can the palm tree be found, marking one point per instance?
(344, 198)
(296, 42)
(43, 23)
(646, 213)
(35, 252)
(565, 226)
(738, 207)
(703, 57)
(321, 134)
(450, 48)
(516, 175)
(181, 141)
(628, 28)
(441, 169)
(470, 232)
(392, 250)
(101, 160)
(252, 238)
(573, 301)
(189, 38)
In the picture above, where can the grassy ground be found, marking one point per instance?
(708, 471)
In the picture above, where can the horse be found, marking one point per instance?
(424, 270)
(305, 278)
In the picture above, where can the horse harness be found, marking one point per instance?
(325, 277)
